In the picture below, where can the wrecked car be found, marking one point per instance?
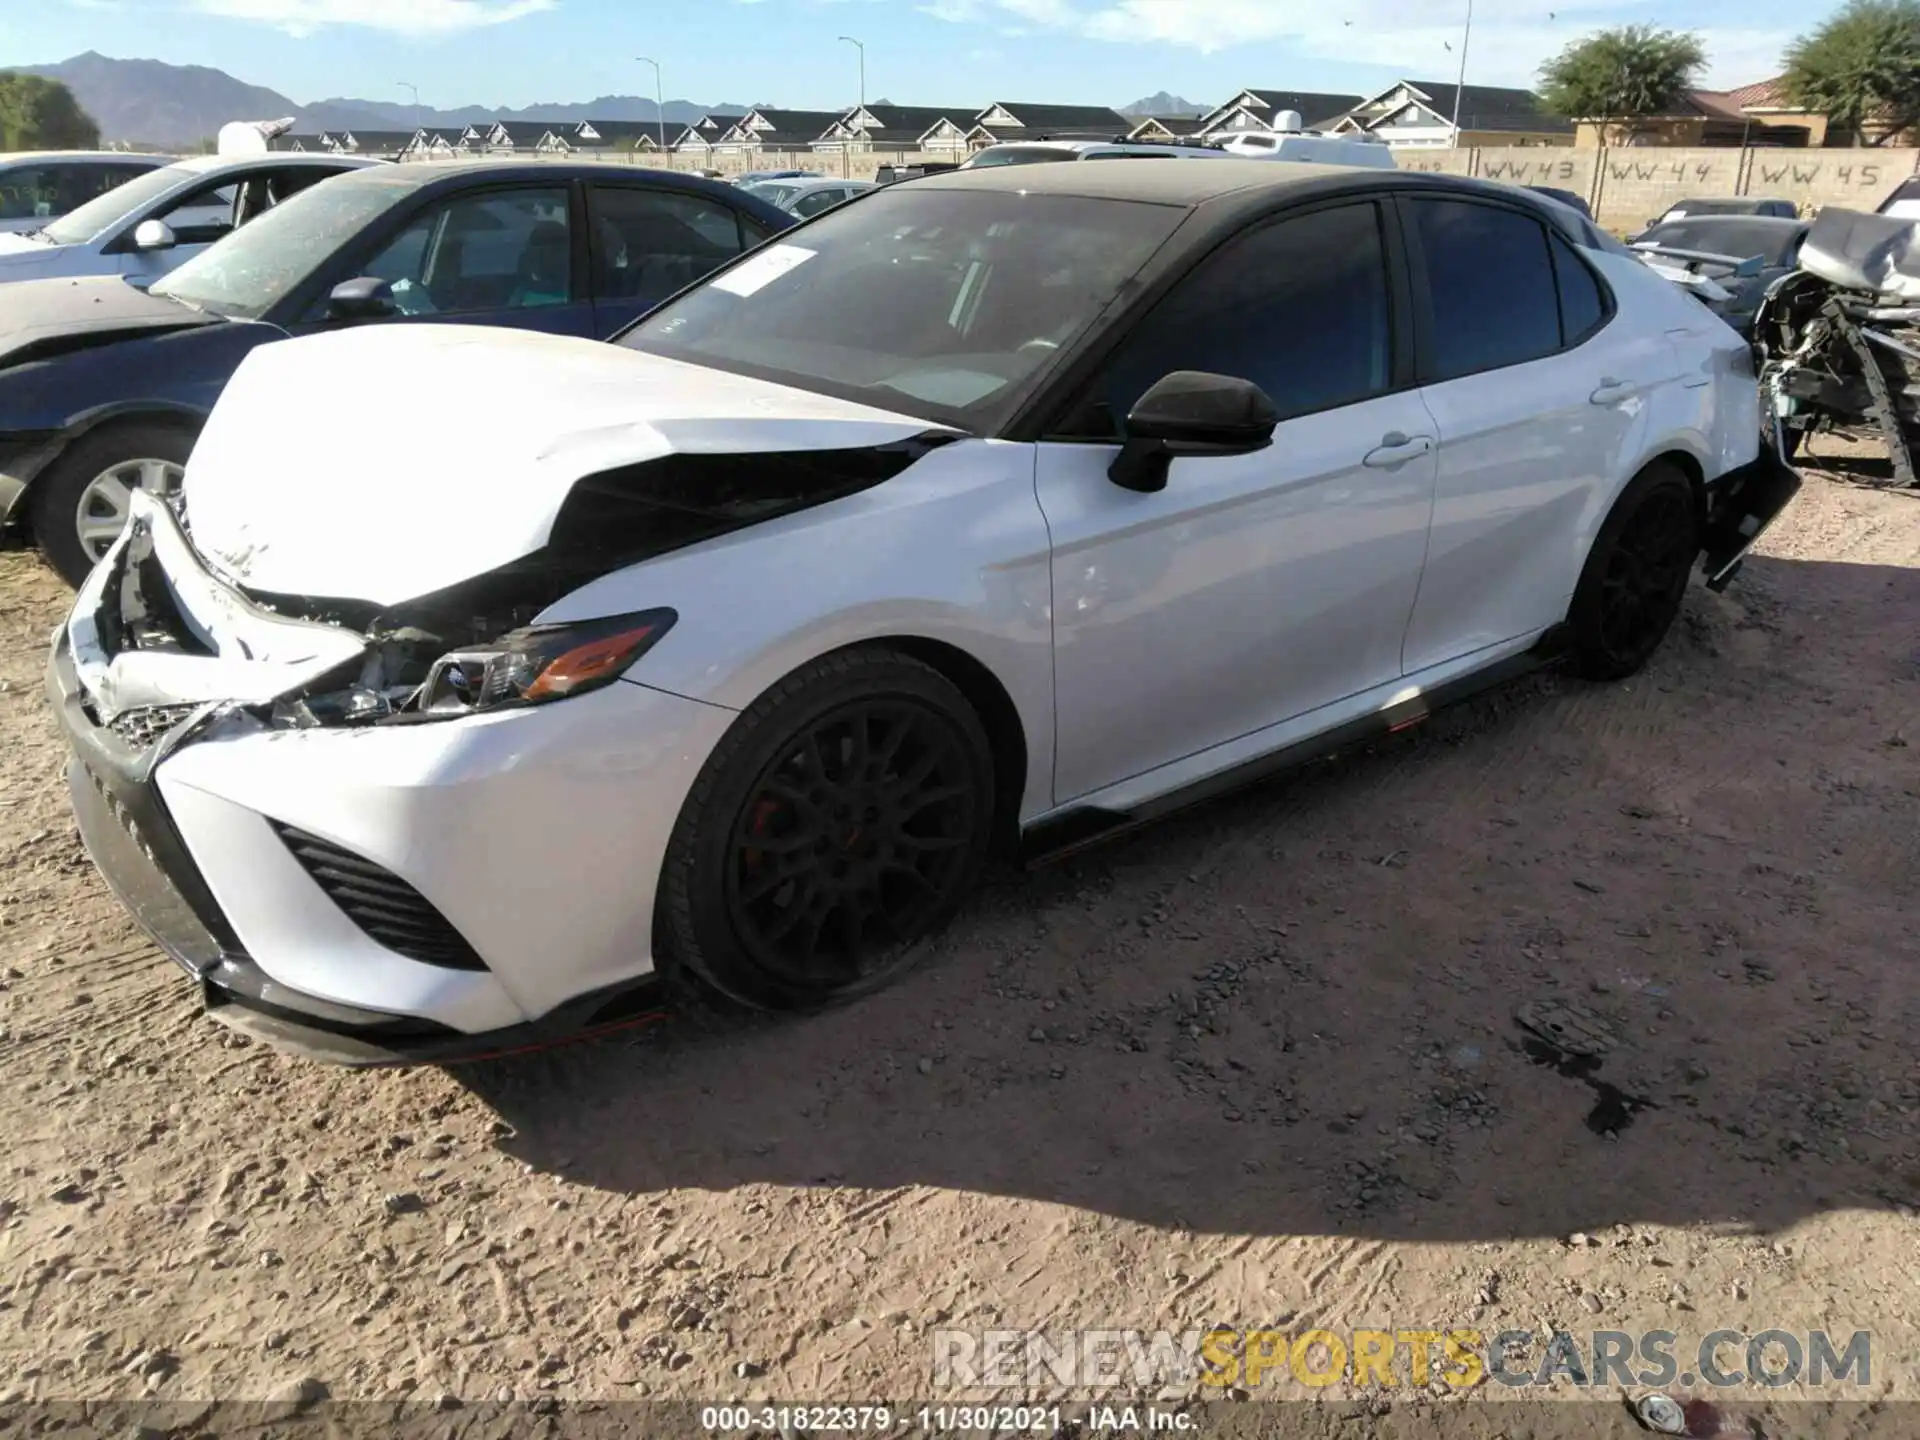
(104, 386)
(1839, 337)
(995, 514)
(1729, 260)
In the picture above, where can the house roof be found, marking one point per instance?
(382, 139)
(814, 123)
(1058, 117)
(1176, 125)
(1763, 95)
(1481, 107)
(611, 132)
(774, 139)
(920, 118)
(1314, 106)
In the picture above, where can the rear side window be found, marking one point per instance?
(1491, 293)
(1582, 307)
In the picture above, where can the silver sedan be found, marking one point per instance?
(808, 197)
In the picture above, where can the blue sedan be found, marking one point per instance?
(103, 387)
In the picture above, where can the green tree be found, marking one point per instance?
(41, 114)
(1861, 68)
(1622, 74)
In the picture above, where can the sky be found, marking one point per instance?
(935, 52)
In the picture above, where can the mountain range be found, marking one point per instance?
(152, 102)
(156, 103)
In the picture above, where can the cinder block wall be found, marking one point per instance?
(1628, 187)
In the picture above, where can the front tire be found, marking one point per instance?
(78, 507)
(1636, 575)
(834, 830)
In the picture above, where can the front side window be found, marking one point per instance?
(1490, 287)
(502, 250)
(1300, 307)
(653, 242)
(943, 303)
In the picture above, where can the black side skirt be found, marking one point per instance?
(1076, 829)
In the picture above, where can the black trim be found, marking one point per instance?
(1081, 826)
(1744, 503)
(241, 997)
(387, 910)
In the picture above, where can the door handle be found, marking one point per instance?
(1396, 449)
(1611, 392)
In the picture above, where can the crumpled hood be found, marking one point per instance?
(33, 311)
(388, 462)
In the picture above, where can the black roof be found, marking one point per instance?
(1313, 107)
(812, 123)
(921, 118)
(1061, 117)
(1491, 107)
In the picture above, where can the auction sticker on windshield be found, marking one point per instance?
(763, 269)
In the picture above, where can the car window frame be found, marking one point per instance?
(747, 229)
(306, 304)
(1425, 326)
(1042, 420)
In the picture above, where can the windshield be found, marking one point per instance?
(1738, 237)
(939, 303)
(1018, 155)
(259, 265)
(77, 227)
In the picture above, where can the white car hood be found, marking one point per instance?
(447, 450)
(21, 258)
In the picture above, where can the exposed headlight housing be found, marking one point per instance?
(539, 664)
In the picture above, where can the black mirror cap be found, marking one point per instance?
(364, 298)
(1195, 407)
(1191, 412)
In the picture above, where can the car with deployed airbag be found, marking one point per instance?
(992, 515)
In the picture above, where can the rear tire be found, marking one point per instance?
(834, 830)
(70, 507)
(1636, 575)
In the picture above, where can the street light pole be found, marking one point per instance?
(1466, 39)
(659, 105)
(404, 85)
(846, 150)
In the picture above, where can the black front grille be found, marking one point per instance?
(140, 728)
(381, 903)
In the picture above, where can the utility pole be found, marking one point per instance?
(1466, 39)
(846, 150)
(417, 134)
(659, 105)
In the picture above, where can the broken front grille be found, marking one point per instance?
(140, 728)
(382, 904)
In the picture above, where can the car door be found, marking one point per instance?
(1536, 395)
(649, 242)
(1253, 588)
(498, 255)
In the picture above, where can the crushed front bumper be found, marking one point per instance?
(534, 836)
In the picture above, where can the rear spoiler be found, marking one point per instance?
(1741, 267)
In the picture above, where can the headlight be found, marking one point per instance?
(540, 664)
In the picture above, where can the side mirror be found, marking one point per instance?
(154, 235)
(1191, 412)
(364, 298)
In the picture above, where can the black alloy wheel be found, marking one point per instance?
(834, 829)
(1636, 576)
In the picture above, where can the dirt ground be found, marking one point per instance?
(1258, 1066)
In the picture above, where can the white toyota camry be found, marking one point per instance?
(994, 513)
